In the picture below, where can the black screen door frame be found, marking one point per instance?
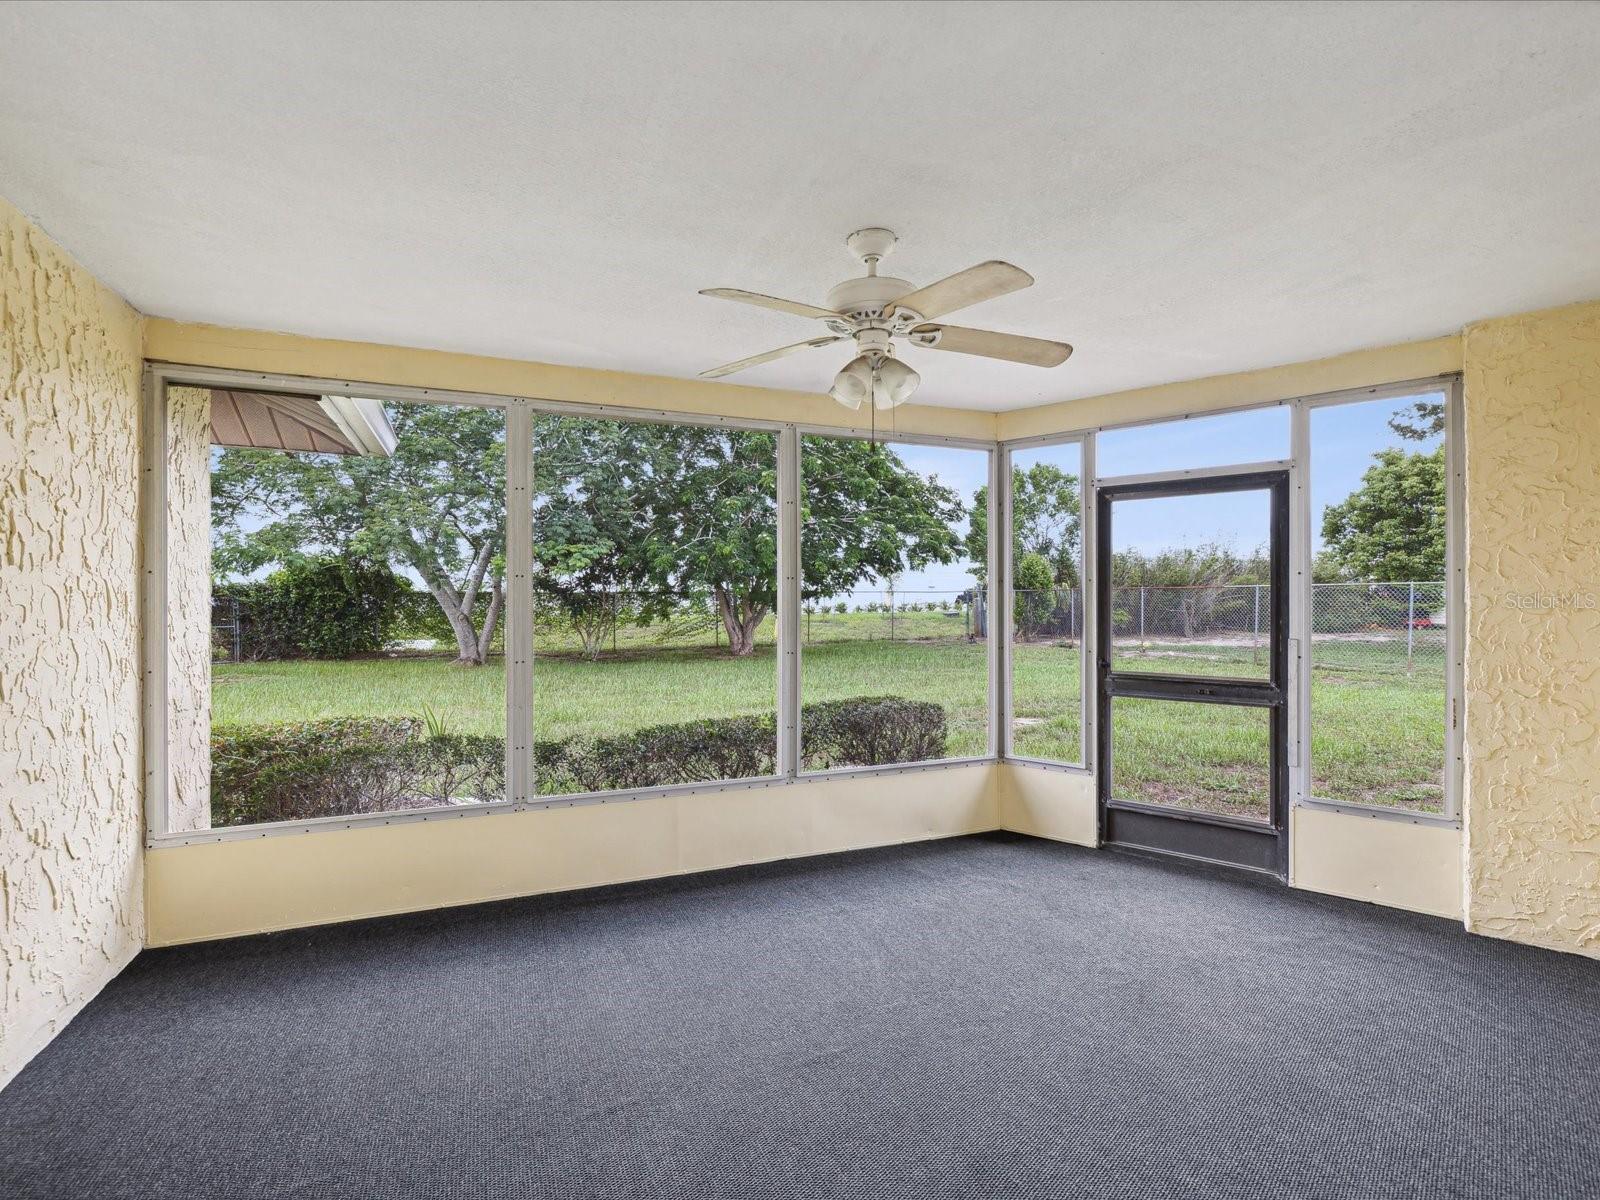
(1134, 825)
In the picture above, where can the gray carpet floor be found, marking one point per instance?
(990, 1016)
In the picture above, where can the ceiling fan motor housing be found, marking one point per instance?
(865, 298)
(875, 343)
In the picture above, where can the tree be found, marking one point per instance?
(1327, 569)
(590, 553)
(1192, 577)
(867, 515)
(714, 526)
(1034, 590)
(1419, 421)
(1046, 520)
(1391, 528)
(631, 518)
(672, 513)
(435, 510)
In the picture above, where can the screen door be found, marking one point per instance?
(1192, 662)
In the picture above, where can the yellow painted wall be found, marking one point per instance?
(1395, 863)
(1059, 805)
(226, 888)
(1532, 388)
(287, 354)
(218, 889)
(195, 892)
(1382, 861)
(70, 778)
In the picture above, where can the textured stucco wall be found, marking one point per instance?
(71, 886)
(1532, 814)
(188, 609)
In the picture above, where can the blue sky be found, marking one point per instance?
(1343, 440)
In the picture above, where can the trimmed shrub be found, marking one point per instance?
(870, 731)
(694, 752)
(240, 756)
(866, 731)
(348, 766)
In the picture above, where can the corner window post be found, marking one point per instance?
(789, 601)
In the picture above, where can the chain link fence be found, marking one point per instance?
(227, 630)
(613, 621)
(1395, 627)
(1391, 627)
(1386, 628)
(641, 621)
(888, 615)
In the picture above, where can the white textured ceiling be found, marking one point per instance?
(1197, 188)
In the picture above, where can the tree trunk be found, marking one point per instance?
(460, 618)
(491, 619)
(457, 606)
(590, 624)
(467, 654)
(740, 620)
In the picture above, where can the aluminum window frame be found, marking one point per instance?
(158, 377)
(992, 657)
(1450, 386)
(1299, 464)
(520, 412)
(1002, 486)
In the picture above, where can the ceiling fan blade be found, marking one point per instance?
(982, 282)
(1013, 347)
(788, 306)
(755, 360)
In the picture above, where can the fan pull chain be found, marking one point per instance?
(872, 406)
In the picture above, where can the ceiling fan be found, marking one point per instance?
(875, 309)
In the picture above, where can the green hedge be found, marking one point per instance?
(343, 767)
(321, 607)
(870, 731)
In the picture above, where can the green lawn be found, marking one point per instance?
(1378, 731)
(700, 632)
(625, 690)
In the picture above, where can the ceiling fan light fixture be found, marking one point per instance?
(893, 383)
(853, 386)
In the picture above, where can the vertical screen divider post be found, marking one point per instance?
(520, 784)
(998, 602)
(1088, 693)
(789, 616)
